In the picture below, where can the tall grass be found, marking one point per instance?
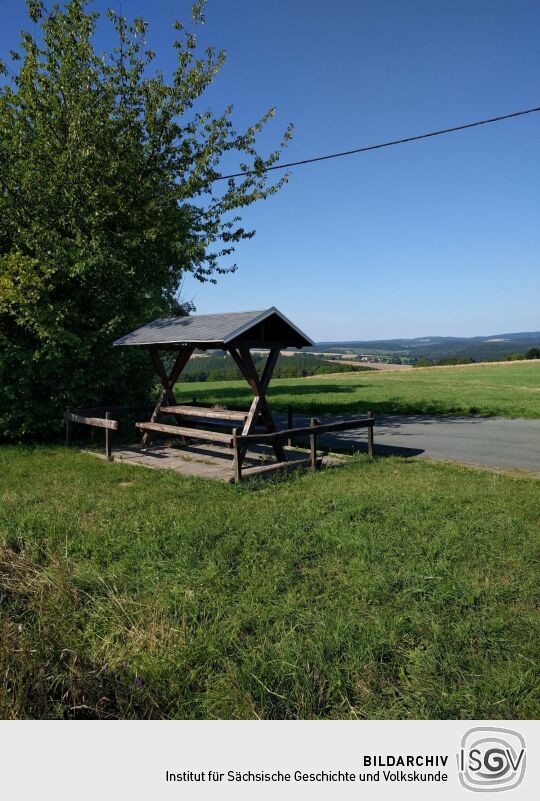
(384, 589)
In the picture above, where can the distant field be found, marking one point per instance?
(510, 389)
(383, 589)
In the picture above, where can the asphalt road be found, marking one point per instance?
(491, 441)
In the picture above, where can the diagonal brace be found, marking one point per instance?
(167, 382)
(259, 405)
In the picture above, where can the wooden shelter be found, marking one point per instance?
(237, 333)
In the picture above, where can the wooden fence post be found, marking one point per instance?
(289, 423)
(68, 427)
(108, 453)
(313, 444)
(370, 435)
(237, 466)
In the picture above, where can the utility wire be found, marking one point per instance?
(383, 144)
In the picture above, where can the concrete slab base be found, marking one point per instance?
(206, 460)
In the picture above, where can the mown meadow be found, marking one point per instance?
(507, 390)
(387, 588)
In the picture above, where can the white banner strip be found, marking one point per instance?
(267, 760)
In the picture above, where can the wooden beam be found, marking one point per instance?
(323, 428)
(259, 387)
(239, 363)
(269, 368)
(370, 435)
(259, 405)
(237, 459)
(202, 411)
(99, 422)
(167, 382)
(192, 433)
(220, 345)
(180, 363)
(147, 438)
(108, 450)
(256, 344)
(313, 443)
(159, 367)
(289, 423)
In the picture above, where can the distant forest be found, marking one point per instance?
(221, 367)
(440, 350)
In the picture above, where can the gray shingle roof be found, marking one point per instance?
(207, 328)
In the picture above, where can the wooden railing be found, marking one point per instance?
(97, 422)
(240, 442)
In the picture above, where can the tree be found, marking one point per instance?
(533, 353)
(108, 197)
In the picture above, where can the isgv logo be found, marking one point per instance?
(491, 759)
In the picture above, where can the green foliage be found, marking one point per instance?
(222, 368)
(514, 357)
(389, 588)
(455, 360)
(445, 362)
(107, 199)
(533, 353)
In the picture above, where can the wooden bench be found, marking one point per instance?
(181, 431)
(222, 415)
(206, 416)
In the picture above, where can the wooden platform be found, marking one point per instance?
(208, 460)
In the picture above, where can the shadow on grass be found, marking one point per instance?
(328, 444)
(316, 399)
(392, 406)
(230, 394)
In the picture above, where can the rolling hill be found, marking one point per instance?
(480, 348)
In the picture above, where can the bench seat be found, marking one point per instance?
(192, 433)
(205, 411)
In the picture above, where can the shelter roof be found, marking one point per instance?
(213, 330)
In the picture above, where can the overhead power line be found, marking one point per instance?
(382, 144)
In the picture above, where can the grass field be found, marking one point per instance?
(383, 589)
(507, 390)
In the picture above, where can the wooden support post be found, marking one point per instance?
(313, 444)
(289, 423)
(108, 452)
(167, 382)
(68, 427)
(370, 435)
(259, 405)
(237, 460)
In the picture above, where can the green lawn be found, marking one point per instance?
(383, 589)
(509, 390)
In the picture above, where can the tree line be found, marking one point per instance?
(220, 367)
(531, 353)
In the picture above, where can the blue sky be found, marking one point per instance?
(438, 237)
